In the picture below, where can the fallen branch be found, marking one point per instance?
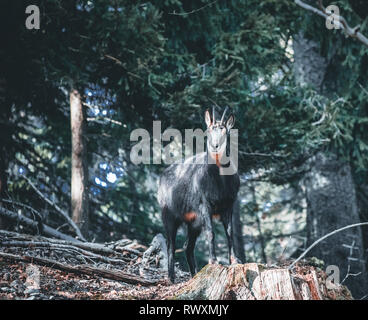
(93, 247)
(80, 269)
(50, 245)
(58, 209)
(323, 238)
(19, 204)
(85, 257)
(34, 225)
(124, 249)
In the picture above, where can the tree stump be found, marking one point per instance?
(254, 281)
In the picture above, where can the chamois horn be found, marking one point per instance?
(223, 115)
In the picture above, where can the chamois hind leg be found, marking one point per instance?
(227, 223)
(193, 233)
(171, 228)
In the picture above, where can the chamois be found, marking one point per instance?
(194, 192)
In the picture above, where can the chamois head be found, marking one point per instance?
(217, 131)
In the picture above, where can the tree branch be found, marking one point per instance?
(193, 11)
(58, 209)
(33, 224)
(74, 247)
(258, 154)
(325, 237)
(80, 269)
(349, 31)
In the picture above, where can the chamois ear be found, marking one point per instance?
(230, 122)
(207, 118)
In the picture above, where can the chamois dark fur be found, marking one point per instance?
(193, 193)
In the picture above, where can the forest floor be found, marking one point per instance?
(56, 284)
(39, 268)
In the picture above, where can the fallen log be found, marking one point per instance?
(34, 225)
(80, 269)
(254, 281)
(50, 245)
(58, 209)
(109, 260)
(67, 240)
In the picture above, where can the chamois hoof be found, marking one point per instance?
(234, 260)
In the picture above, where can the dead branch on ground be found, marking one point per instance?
(57, 208)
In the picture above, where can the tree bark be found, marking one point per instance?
(309, 66)
(332, 204)
(254, 281)
(330, 191)
(79, 180)
(362, 196)
(3, 152)
(3, 187)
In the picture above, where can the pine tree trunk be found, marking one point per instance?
(3, 151)
(362, 196)
(332, 204)
(79, 180)
(330, 191)
(3, 187)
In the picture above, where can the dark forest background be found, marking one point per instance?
(299, 92)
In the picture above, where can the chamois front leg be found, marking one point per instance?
(210, 235)
(193, 234)
(228, 226)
